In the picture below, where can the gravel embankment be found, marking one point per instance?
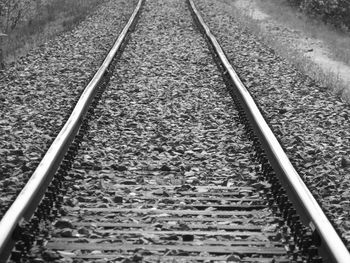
(312, 124)
(167, 105)
(165, 119)
(39, 91)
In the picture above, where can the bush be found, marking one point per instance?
(12, 13)
(336, 12)
(28, 21)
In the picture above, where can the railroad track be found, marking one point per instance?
(167, 199)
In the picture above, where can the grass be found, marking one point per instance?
(48, 20)
(283, 13)
(339, 40)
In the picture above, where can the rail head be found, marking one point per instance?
(333, 249)
(32, 193)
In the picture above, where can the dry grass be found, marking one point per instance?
(338, 42)
(52, 18)
(337, 39)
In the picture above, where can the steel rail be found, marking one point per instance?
(32, 193)
(332, 247)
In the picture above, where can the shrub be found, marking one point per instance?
(336, 12)
(27, 21)
(12, 13)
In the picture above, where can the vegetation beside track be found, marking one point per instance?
(28, 23)
(317, 49)
(336, 12)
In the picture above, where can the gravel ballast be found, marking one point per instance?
(39, 91)
(312, 124)
(167, 103)
(165, 119)
(167, 112)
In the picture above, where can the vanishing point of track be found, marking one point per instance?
(170, 220)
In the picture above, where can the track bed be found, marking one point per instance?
(158, 164)
(166, 173)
